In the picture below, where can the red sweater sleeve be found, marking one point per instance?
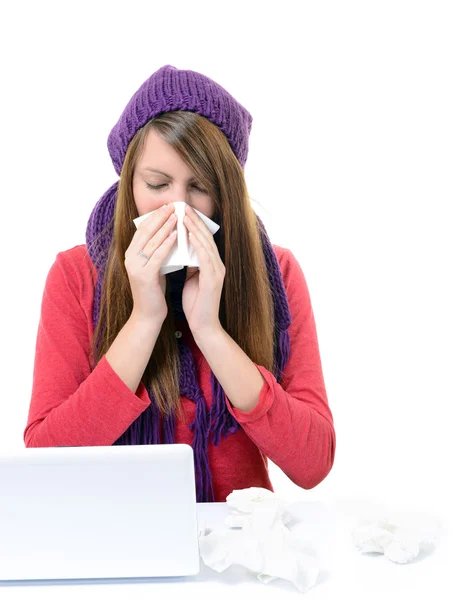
(292, 423)
(72, 404)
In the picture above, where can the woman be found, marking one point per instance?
(225, 357)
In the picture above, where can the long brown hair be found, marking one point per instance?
(246, 306)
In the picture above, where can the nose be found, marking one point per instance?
(180, 193)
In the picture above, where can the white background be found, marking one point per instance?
(349, 166)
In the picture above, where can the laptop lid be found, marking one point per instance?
(98, 512)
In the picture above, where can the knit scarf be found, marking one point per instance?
(218, 421)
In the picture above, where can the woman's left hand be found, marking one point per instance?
(202, 289)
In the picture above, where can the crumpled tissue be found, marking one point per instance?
(397, 542)
(256, 537)
(182, 252)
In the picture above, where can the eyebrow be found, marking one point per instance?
(194, 178)
(156, 171)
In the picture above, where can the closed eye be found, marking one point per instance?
(162, 185)
(156, 187)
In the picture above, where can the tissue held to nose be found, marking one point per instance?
(182, 254)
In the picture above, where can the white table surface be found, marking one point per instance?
(344, 572)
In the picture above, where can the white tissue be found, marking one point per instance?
(182, 253)
(263, 545)
(399, 543)
(244, 502)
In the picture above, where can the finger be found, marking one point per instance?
(202, 233)
(159, 255)
(159, 238)
(202, 243)
(149, 244)
(206, 260)
(148, 228)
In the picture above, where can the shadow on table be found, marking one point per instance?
(233, 575)
(426, 549)
(237, 574)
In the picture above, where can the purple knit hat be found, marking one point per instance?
(170, 89)
(166, 90)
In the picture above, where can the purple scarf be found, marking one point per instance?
(218, 421)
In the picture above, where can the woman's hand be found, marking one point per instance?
(202, 289)
(153, 238)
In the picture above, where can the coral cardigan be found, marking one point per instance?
(74, 404)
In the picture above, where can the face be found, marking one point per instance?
(161, 177)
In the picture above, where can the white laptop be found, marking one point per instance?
(98, 512)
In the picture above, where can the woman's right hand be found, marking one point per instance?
(147, 285)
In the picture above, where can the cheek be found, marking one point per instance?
(142, 201)
(207, 207)
(137, 197)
